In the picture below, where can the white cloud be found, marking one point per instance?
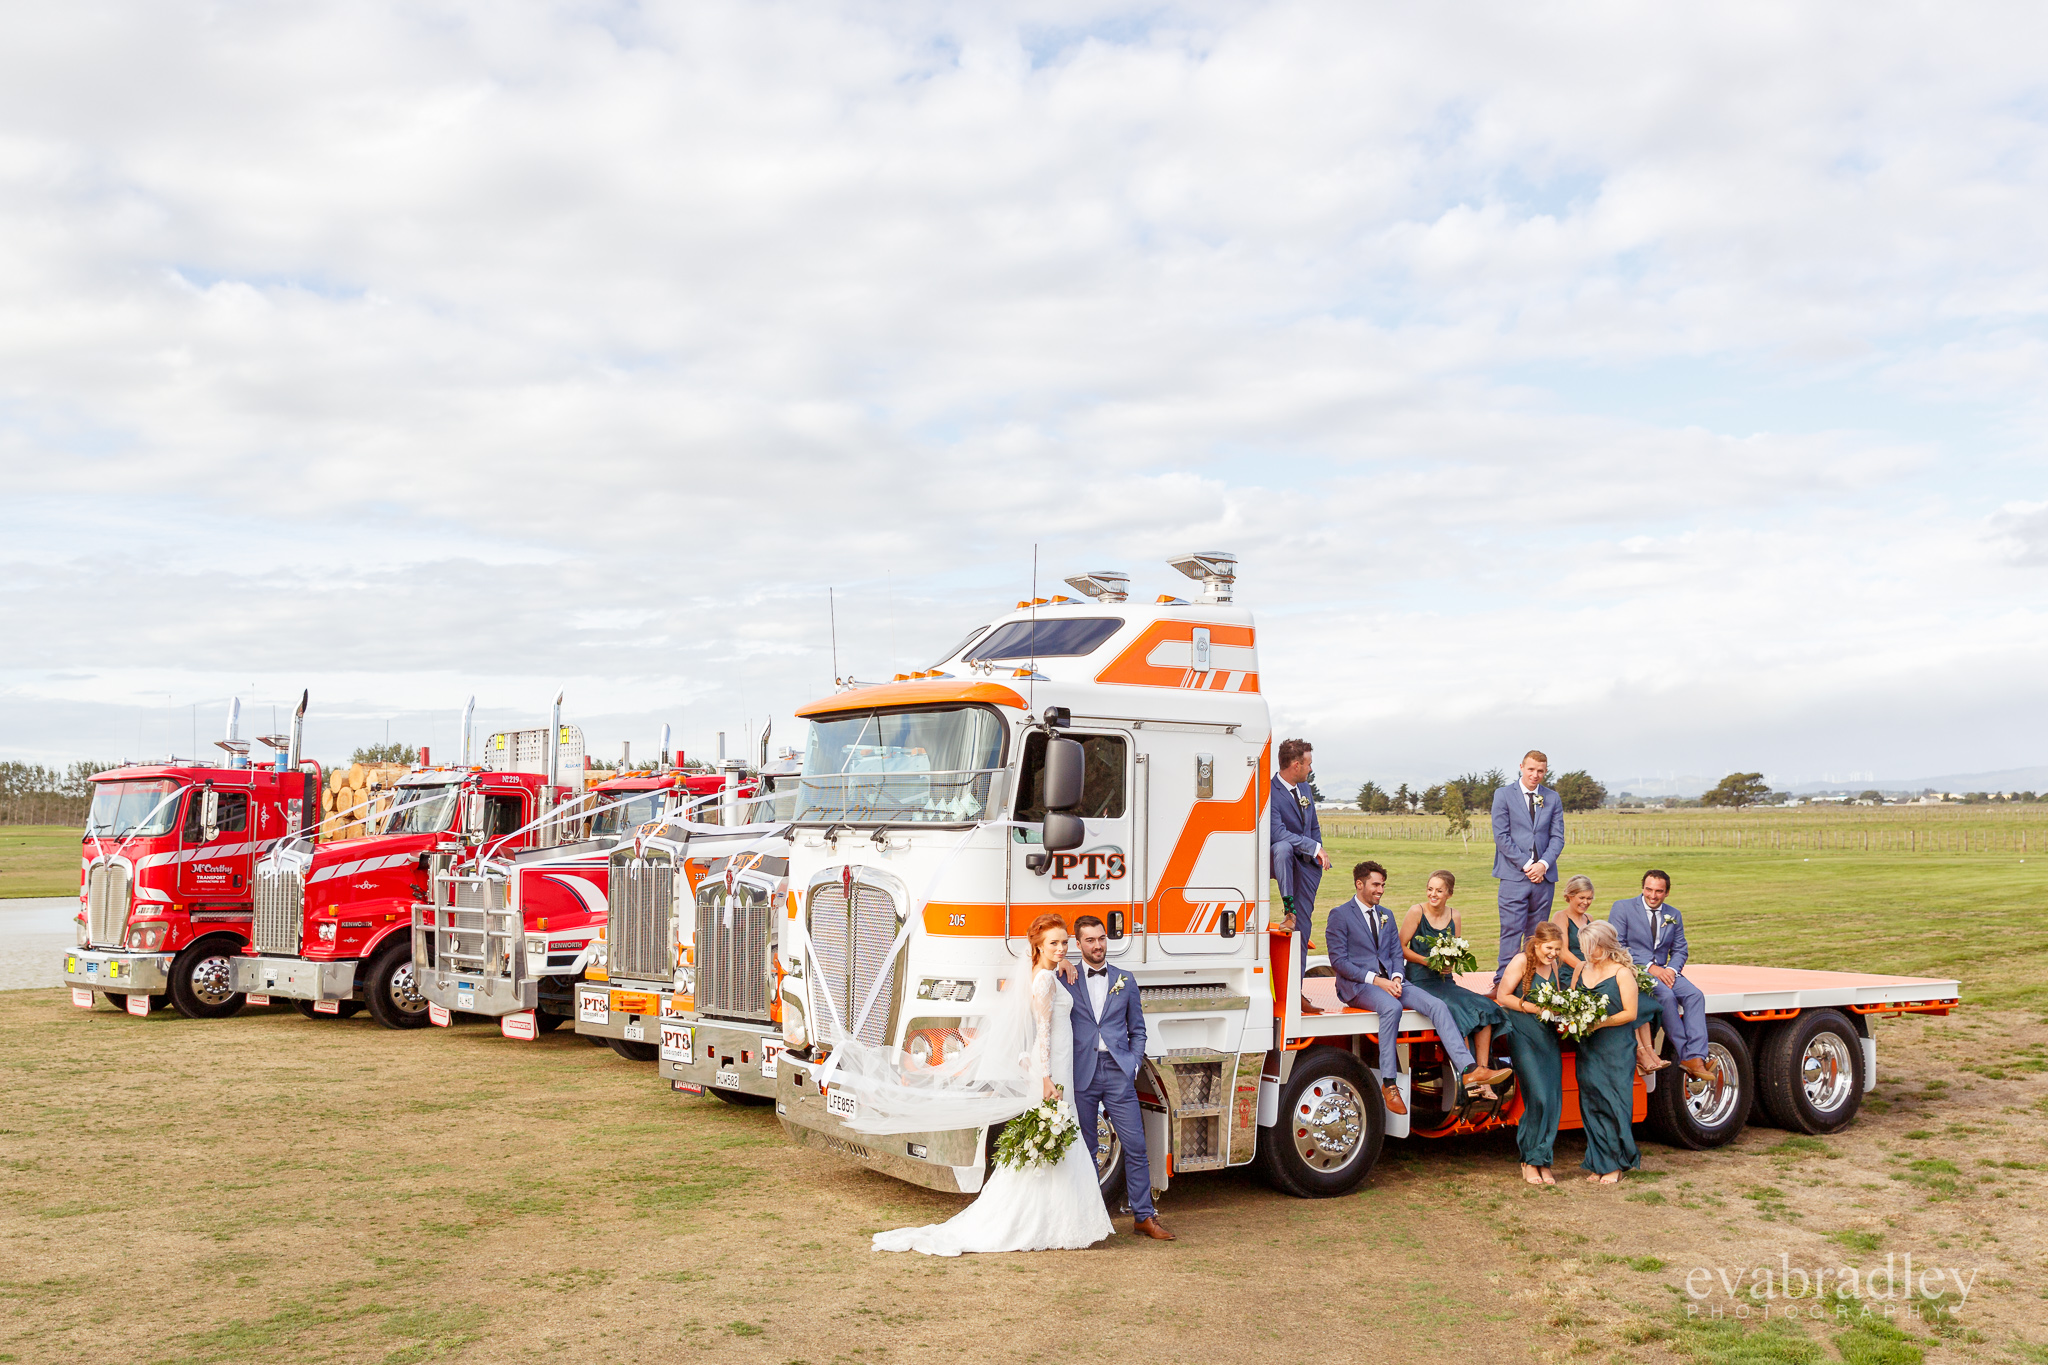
(405, 352)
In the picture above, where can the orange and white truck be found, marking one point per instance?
(1097, 754)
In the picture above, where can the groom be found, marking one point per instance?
(1109, 1047)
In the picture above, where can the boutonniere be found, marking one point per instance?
(1119, 984)
(1539, 800)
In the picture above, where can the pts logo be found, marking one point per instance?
(1084, 874)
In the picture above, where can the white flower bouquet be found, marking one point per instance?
(1644, 981)
(1040, 1135)
(1571, 1011)
(1449, 955)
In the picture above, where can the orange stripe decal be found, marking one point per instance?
(1133, 667)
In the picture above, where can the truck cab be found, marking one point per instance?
(166, 879)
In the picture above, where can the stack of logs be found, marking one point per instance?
(355, 798)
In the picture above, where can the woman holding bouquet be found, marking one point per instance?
(1432, 924)
(1607, 1080)
(1030, 1207)
(1539, 1065)
(1573, 917)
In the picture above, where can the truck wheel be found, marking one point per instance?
(1109, 1162)
(1810, 1073)
(1700, 1114)
(1330, 1130)
(203, 981)
(344, 1008)
(393, 995)
(634, 1052)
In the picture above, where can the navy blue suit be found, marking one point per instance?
(1365, 945)
(1296, 835)
(1106, 1081)
(1657, 939)
(1517, 840)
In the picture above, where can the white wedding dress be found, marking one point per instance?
(1042, 1208)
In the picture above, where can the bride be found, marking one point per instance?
(1036, 1208)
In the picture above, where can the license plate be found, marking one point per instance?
(636, 1032)
(839, 1102)
(727, 1080)
(259, 1000)
(437, 1015)
(465, 1000)
(677, 1043)
(81, 997)
(92, 968)
(769, 1048)
(520, 1026)
(138, 1005)
(594, 1007)
(327, 1007)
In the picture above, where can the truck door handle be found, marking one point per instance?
(1229, 929)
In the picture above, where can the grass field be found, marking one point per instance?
(38, 860)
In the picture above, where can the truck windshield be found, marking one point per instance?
(434, 812)
(120, 809)
(640, 807)
(869, 767)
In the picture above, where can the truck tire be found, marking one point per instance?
(344, 1009)
(1809, 1072)
(1331, 1127)
(391, 992)
(632, 1051)
(203, 980)
(120, 1002)
(1109, 1163)
(1700, 1114)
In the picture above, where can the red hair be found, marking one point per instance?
(1042, 926)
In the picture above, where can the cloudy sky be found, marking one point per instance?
(1662, 386)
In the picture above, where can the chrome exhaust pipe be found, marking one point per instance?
(468, 717)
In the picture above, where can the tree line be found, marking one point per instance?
(1473, 791)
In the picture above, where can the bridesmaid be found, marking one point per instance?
(1539, 1066)
(1425, 923)
(1573, 918)
(1607, 1080)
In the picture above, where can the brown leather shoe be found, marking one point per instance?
(1697, 1068)
(1307, 1008)
(1391, 1096)
(1153, 1228)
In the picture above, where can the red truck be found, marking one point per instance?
(333, 921)
(166, 873)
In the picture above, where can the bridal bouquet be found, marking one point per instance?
(1039, 1136)
(1449, 955)
(1573, 1011)
(1644, 981)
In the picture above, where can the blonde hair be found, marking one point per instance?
(1577, 884)
(1599, 937)
(1537, 754)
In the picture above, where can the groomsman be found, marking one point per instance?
(1297, 835)
(1365, 949)
(1654, 933)
(1528, 837)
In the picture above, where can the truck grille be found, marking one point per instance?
(476, 929)
(280, 910)
(733, 951)
(640, 918)
(106, 903)
(850, 952)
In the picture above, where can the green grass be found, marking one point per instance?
(38, 860)
(1837, 910)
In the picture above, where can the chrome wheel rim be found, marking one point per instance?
(405, 991)
(1107, 1150)
(213, 981)
(1826, 1072)
(1329, 1124)
(1713, 1100)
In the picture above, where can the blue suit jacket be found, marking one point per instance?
(1296, 833)
(1357, 947)
(1122, 1025)
(1513, 838)
(1653, 944)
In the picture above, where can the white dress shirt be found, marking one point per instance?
(1528, 794)
(1369, 911)
(1098, 999)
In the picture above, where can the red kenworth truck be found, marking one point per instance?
(166, 872)
(333, 921)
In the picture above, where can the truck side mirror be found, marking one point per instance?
(1065, 771)
(209, 815)
(1063, 831)
(473, 814)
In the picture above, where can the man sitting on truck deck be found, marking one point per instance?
(1365, 950)
(1654, 934)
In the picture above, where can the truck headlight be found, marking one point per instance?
(146, 937)
(536, 947)
(327, 931)
(793, 1031)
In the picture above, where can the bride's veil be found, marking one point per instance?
(984, 1075)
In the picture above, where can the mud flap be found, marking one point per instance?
(520, 1026)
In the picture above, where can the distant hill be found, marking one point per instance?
(1692, 784)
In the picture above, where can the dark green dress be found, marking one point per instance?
(1539, 1075)
(1648, 1011)
(1469, 1009)
(1607, 1085)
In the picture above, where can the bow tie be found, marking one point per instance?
(1098, 971)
